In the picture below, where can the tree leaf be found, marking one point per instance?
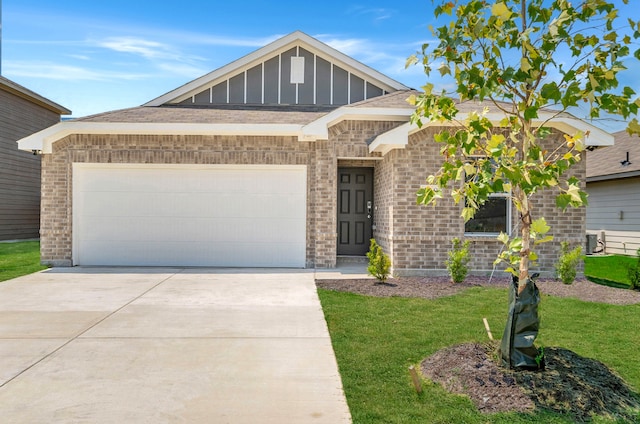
(563, 200)
(501, 11)
(539, 226)
(574, 192)
(467, 213)
(504, 238)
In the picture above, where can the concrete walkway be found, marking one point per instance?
(125, 345)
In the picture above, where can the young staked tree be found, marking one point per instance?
(531, 60)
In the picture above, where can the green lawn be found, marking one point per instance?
(377, 339)
(609, 270)
(19, 258)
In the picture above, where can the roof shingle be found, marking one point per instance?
(607, 162)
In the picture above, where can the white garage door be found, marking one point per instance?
(189, 215)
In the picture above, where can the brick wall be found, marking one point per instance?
(420, 236)
(416, 237)
(57, 202)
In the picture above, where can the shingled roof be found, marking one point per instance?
(622, 160)
(220, 114)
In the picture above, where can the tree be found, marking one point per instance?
(506, 53)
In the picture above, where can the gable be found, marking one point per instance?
(294, 70)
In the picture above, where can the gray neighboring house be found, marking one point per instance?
(292, 156)
(22, 112)
(613, 184)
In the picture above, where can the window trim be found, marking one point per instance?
(505, 195)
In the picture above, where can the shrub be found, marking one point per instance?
(379, 262)
(458, 262)
(567, 265)
(633, 273)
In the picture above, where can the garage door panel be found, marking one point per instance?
(193, 254)
(189, 215)
(289, 205)
(191, 230)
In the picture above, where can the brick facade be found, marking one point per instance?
(416, 237)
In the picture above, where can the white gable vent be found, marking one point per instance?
(297, 70)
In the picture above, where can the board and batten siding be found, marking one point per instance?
(20, 170)
(294, 77)
(614, 208)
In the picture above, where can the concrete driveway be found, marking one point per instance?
(129, 345)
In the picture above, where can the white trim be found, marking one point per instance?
(43, 140)
(398, 138)
(319, 129)
(246, 77)
(262, 83)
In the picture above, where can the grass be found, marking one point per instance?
(609, 270)
(377, 339)
(20, 258)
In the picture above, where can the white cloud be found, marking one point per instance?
(54, 71)
(140, 47)
(376, 14)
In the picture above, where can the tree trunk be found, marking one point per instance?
(525, 222)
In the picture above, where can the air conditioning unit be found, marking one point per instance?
(592, 243)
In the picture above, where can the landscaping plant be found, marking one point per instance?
(458, 262)
(567, 265)
(633, 271)
(379, 262)
(534, 61)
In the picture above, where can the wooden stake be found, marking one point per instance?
(486, 326)
(416, 379)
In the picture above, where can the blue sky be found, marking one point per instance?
(95, 56)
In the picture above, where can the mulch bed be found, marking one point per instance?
(571, 384)
(435, 287)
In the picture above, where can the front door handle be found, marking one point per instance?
(369, 209)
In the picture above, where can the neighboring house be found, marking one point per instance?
(22, 112)
(291, 156)
(613, 184)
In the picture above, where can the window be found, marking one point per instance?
(492, 218)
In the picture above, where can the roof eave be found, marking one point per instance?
(398, 138)
(319, 129)
(25, 93)
(609, 177)
(42, 141)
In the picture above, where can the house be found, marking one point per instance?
(613, 184)
(292, 156)
(22, 112)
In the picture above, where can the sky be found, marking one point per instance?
(97, 56)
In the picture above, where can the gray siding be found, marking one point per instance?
(19, 170)
(614, 205)
(269, 82)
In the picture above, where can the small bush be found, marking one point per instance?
(633, 271)
(567, 265)
(379, 262)
(458, 262)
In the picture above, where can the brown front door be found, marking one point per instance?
(355, 210)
